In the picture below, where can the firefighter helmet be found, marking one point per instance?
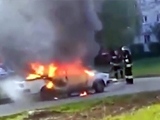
(124, 48)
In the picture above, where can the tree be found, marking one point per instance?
(121, 21)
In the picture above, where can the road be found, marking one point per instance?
(141, 84)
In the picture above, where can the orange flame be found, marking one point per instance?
(41, 70)
(90, 73)
(53, 70)
(83, 94)
(50, 85)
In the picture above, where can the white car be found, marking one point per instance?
(5, 71)
(49, 88)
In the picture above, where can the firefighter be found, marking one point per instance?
(121, 63)
(127, 65)
(116, 64)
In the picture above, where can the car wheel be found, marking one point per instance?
(99, 87)
(46, 94)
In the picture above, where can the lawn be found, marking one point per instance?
(148, 113)
(147, 67)
(142, 68)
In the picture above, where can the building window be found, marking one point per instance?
(147, 39)
(144, 18)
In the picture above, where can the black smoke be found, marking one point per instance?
(47, 31)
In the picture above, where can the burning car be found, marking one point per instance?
(53, 80)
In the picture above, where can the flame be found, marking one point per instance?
(55, 98)
(83, 94)
(42, 70)
(50, 85)
(53, 70)
(90, 73)
(32, 76)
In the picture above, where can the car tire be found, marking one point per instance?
(46, 94)
(99, 86)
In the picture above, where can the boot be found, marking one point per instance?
(129, 81)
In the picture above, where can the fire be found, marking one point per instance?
(83, 94)
(90, 73)
(50, 85)
(52, 70)
(42, 70)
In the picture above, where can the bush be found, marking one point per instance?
(155, 49)
(137, 51)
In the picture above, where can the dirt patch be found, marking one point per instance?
(111, 106)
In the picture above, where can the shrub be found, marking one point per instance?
(155, 49)
(137, 51)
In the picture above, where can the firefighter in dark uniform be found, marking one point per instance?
(127, 65)
(116, 64)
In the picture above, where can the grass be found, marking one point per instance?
(148, 113)
(147, 67)
(142, 68)
(77, 107)
(19, 116)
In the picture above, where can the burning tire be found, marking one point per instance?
(99, 86)
(46, 94)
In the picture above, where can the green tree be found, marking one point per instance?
(121, 21)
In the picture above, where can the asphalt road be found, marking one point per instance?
(141, 84)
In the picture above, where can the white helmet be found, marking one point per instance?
(124, 48)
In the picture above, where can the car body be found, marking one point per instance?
(5, 71)
(66, 85)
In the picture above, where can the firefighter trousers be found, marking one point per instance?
(118, 69)
(128, 75)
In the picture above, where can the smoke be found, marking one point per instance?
(11, 92)
(47, 30)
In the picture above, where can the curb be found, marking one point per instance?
(146, 76)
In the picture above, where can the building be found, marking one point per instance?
(150, 10)
(151, 16)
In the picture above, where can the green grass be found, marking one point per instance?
(84, 105)
(19, 116)
(148, 113)
(77, 107)
(145, 67)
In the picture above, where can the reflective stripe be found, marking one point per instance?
(129, 77)
(128, 65)
(113, 57)
(126, 60)
(116, 64)
(114, 80)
